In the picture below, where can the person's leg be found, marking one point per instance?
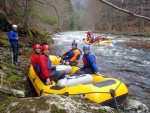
(84, 71)
(80, 71)
(88, 71)
(61, 74)
(16, 54)
(73, 63)
(56, 75)
(13, 48)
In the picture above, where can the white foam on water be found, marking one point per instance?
(131, 58)
(146, 62)
(120, 54)
(134, 50)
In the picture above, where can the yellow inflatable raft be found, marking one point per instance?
(105, 42)
(105, 91)
(88, 42)
(102, 43)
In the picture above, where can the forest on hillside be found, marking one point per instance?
(49, 15)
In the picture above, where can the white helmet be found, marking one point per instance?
(14, 25)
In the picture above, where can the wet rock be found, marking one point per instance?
(134, 106)
(53, 104)
(10, 91)
(18, 93)
(2, 74)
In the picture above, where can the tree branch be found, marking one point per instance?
(52, 6)
(123, 10)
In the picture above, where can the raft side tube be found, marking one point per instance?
(75, 80)
(66, 68)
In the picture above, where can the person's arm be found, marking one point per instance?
(76, 53)
(11, 37)
(44, 69)
(91, 60)
(64, 53)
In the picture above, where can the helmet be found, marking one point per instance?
(86, 47)
(37, 46)
(74, 43)
(14, 25)
(45, 47)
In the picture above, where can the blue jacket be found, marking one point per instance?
(92, 39)
(89, 61)
(12, 37)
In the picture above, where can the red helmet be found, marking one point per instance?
(45, 47)
(37, 46)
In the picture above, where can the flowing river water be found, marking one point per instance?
(127, 59)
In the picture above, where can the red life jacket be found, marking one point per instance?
(34, 59)
(86, 63)
(96, 39)
(45, 66)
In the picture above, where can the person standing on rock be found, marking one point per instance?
(35, 57)
(13, 38)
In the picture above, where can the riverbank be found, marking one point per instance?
(127, 33)
(15, 77)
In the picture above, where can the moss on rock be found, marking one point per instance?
(55, 109)
(41, 37)
(51, 104)
(14, 79)
(5, 43)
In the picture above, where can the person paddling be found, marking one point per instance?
(71, 56)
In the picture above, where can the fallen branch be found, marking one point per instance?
(123, 10)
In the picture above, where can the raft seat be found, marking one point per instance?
(104, 83)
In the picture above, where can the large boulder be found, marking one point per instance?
(135, 106)
(53, 104)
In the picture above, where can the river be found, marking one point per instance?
(127, 59)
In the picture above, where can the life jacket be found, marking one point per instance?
(92, 39)
(49, 66)
(96, 39)
(38, 68)
(71, 54)
(86, 63)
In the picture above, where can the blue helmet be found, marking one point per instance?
(74, 43)
(86, 47)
